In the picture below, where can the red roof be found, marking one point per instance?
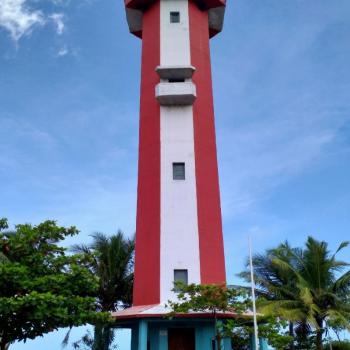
(161, 311)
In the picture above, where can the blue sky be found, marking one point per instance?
(69, 98)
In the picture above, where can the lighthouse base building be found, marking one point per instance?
(178, 226)
(183, 333)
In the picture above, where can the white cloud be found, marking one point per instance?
(57, 18)
(63, 51)
(18, 19)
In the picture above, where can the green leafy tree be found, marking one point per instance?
(41, 287)
(218, 299)
(112, 261)
(270, 328)
(211, 298)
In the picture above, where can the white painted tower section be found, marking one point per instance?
(174, 37)
(179, 224)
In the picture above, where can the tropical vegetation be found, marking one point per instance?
(307, 287)
(42, 287)
(302, 293)
(112, 261)
(219, 300)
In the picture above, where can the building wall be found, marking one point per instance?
(178, 221)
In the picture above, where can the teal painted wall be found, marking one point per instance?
(134, 337)
(263, 345)
(156, 332)
(204, 336)
(143, 335)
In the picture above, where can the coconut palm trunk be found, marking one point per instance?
(319, 334)
(4, 345)
(291, 333)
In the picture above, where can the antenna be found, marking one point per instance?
(256, 339)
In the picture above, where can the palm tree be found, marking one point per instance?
(274, 284)
(319, 291)
(112, 262)
(322, 291)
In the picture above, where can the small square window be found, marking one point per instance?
(180, 276)
(175, 17)
(179, 171)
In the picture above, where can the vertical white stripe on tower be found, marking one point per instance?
(179, 223)
(174, 37)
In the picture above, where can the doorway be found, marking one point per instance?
(181, 339)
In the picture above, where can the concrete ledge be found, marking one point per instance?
(175, 72)
(216, 20)
(204, 4)
(172, 94)
(134, 19)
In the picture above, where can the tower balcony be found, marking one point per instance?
(179, 93)
(175, 72)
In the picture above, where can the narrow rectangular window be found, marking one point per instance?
(180, 276)
(174, 17)
(179, 171)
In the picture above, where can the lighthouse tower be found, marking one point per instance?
(178, 228)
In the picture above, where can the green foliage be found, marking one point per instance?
(3, 224)
(41, 287)
(208, 298)
(112, 261)
(304, 286)
(338, 345)
(88, 341)
(272, 329)
(218, 299)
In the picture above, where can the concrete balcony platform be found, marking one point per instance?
(172, 94)
(175, 72)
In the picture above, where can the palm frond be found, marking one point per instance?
(342, 245)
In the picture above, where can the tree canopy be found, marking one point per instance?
(112, 261)
(306, 286)
(42, 288)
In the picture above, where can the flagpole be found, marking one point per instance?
(256, 339)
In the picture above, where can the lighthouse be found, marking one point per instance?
(178, 224)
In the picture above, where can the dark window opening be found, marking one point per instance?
(176, 80)
(179, 171)
(181, 338)
(180, 276)
(174, 17)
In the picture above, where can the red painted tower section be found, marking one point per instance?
(147, 259)
(208, 194)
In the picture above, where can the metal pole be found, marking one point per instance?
(256, 339)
